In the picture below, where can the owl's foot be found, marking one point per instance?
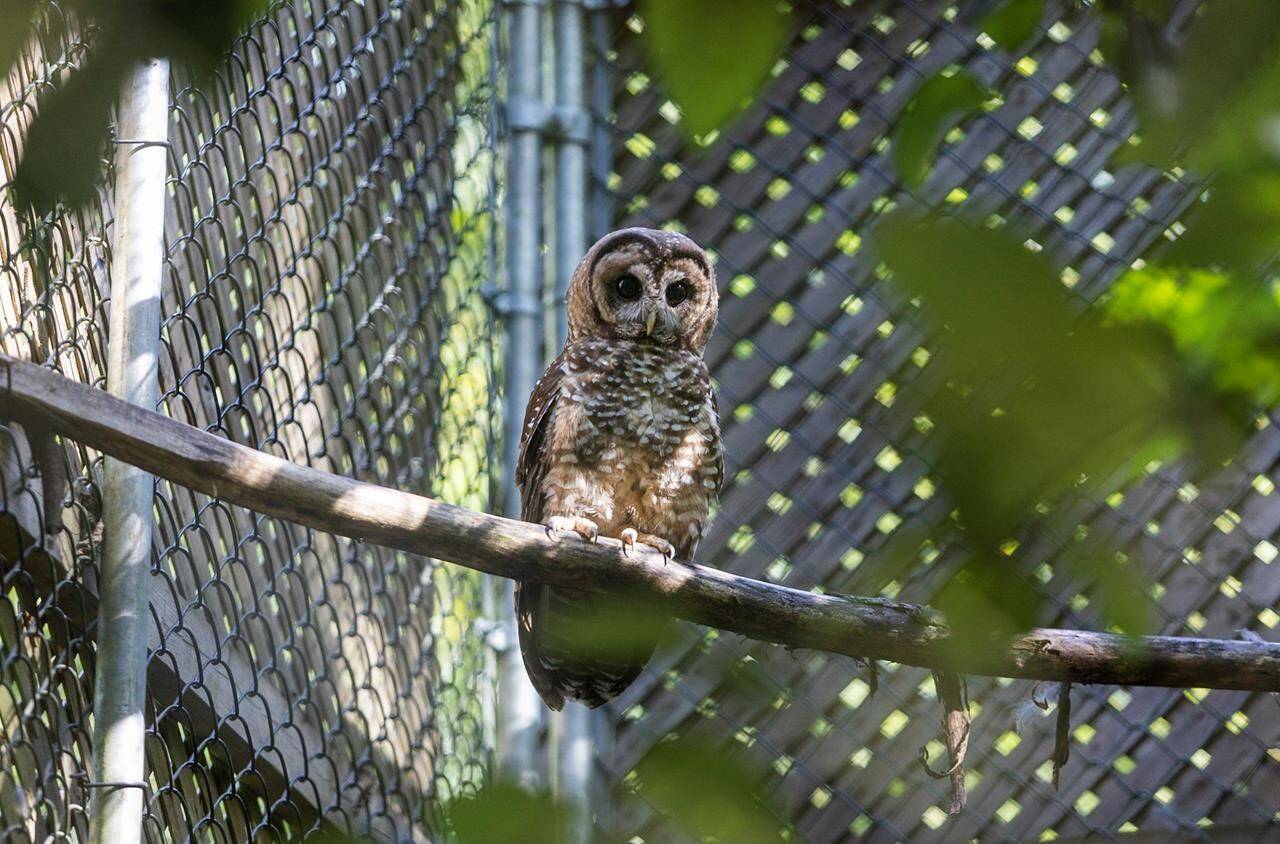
(588, 529)
(630, 536)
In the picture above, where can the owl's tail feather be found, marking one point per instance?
(582, 645)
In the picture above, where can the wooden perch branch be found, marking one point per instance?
(866, 628)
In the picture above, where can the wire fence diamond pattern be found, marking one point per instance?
(330, 227)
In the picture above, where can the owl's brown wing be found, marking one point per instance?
(711, 470)
(532, 464)
(531, 469)
(716, 462)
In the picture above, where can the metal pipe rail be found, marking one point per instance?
(120, 685)
(520, 712)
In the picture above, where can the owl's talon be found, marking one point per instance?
(588, 529)
(630, 536)
(662, 546)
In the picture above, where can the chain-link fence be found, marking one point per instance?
(330, 219)
(822, 372)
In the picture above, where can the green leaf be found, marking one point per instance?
(1228, 46)
(15, 29)
(1226, 330)
(64, 150)
(1013, 22)
(504, 813)
(936, 107)
(1212, 103)
(1120, 590)
(1144, 55)
(1041, 396)
(197, 33)
(986, 599)
(611, 630)
(705, 792)
(66, 145)
(713, 55)
(1236, 227)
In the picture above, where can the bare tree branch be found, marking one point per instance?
(866, 628)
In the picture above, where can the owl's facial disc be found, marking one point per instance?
(652, 298)
(643, 284)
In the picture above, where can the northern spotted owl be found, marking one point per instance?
(621, 439)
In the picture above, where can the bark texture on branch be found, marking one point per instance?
(867, 628)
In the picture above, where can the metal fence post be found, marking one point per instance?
(574, 125)
(519, 709)
(600, 212)
(575, 749)
(119, 697)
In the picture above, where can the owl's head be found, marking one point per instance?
(643, 283)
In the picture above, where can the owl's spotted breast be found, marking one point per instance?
(638, 401)
(633, 441)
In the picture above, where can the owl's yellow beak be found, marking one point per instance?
(649, 321)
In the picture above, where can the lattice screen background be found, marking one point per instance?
(821, 371)
(331, 217)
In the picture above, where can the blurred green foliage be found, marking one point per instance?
(64, 148)
(1011, 22)
(699, 788)
(15, 15)
(468, 417)
(1040, 396)
(1209, 103)
(938, 104)
(706, 793)
(506, 813)
(1227, 333)
(1043, 394)
(1236, 228)
(713, 55)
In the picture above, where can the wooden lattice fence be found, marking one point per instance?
(822, 369)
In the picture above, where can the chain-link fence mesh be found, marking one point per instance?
(822, 371)
(329, 229)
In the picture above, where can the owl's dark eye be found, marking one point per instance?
(677, 292)
(627, 286)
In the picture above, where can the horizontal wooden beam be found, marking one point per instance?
(867, 628)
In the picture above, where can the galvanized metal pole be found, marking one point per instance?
(119, 695)
(573, 136)
(601, 210)
(520, 712)
(575, 734)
